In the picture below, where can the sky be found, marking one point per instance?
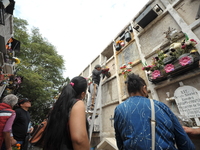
(79, 29)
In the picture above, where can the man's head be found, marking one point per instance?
(10, 99)
(24, 103)
(98, 67)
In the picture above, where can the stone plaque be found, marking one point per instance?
(188, 101)
(129, 54)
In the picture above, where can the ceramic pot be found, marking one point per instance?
(117, 47)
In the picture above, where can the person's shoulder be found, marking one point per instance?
(78, 106)
(161, 105)
(78, 103)
(120, 106)
(18, 110)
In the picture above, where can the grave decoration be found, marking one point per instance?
(178, 59)
(126, 69)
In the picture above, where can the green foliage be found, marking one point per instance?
(41, 68)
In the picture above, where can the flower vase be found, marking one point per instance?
(130, 28)
(127, 36)
(117, 47)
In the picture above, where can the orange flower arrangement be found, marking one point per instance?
(120, 41)
(17, 147)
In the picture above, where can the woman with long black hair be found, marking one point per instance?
(67, 127)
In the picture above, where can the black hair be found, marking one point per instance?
(134, 83)
(57, 131)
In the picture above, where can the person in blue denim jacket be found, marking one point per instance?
(132, 122)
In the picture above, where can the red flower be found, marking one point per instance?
(183, 46)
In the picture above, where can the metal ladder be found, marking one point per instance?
(2, 88)
(97, 101)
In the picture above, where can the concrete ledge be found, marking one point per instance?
(107, 142)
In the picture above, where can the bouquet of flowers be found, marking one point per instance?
(186, 46)
(125, 69)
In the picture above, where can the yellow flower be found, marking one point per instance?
(165, 55)
(193, 51)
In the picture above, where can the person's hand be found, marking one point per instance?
(105, 70)
(192, 131)
(187, 129)
(13, 141)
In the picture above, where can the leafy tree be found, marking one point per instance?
(41, 68)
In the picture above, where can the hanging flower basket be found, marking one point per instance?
(184, 63)
(177, 60)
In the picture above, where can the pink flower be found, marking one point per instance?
(185, 60)
(169, 68)
(155, 74)
(122, 43)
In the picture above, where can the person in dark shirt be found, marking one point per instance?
(93, 88)
(22, 121)
(96, 74)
